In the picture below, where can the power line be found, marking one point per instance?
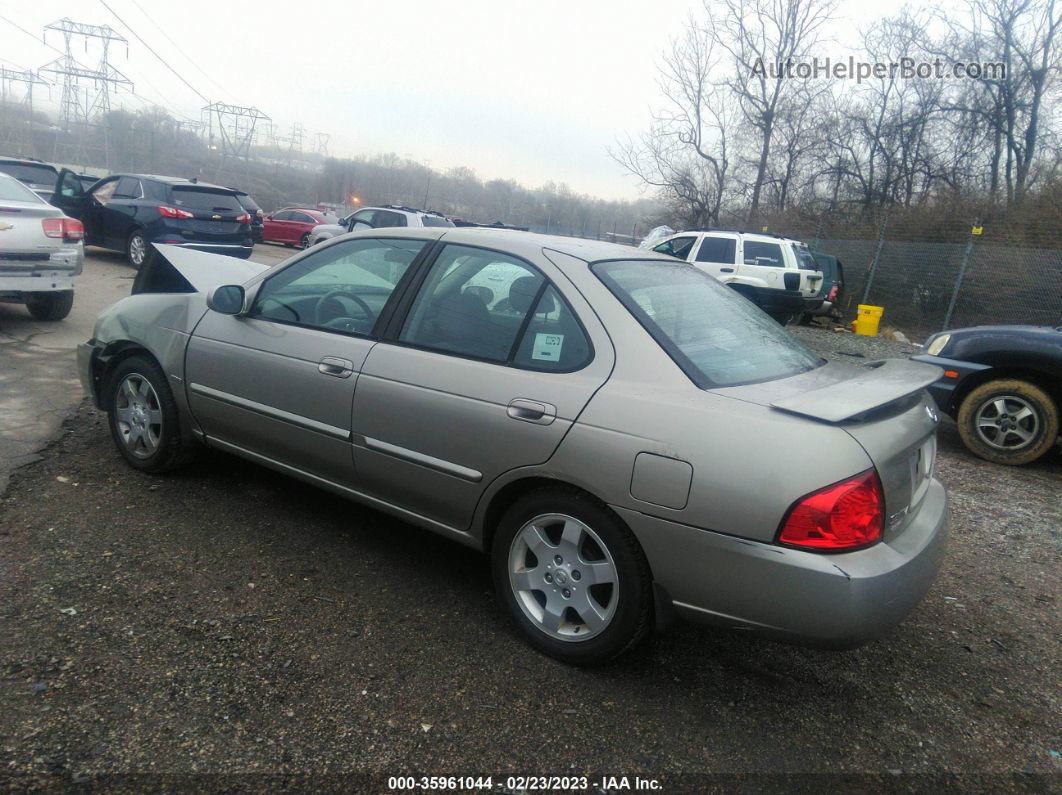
(32, 36)
(162, 60)
(177, 47)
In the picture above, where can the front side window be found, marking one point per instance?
(716, 336)
(478, 303)
(128, 188)
(676, 247)
(340, 288)
(718, 249)
(768, 254)
(105, 192)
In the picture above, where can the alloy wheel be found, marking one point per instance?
(137, 250)
(1007, 422)
(563, 577)
(138, 415)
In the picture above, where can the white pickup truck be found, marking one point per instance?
(41, 251)
(777, 274)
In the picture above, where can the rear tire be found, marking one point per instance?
(50, 306)
(137, 249)
(589, 573)
(143, 416)
(805, 319)
(305, 242)
(1008, 421)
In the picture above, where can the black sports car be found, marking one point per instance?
(1002, 385)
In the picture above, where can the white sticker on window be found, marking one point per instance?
(547, 347)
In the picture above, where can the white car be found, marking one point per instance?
(777, 274)
(41, 251)
(377, 218)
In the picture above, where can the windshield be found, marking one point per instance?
(715, 335)
(434, 220)
(805, 261)
(41, 176)
(14, 191)
(208, 200)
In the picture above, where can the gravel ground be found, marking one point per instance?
(228, 620)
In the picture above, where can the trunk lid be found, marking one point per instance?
(882, 405)
(214, 215)
(24, 247)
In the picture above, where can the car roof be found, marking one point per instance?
(174, 181)
(29, 161)
(302, 210)
(528, 244)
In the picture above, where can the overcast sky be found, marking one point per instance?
(533, 91)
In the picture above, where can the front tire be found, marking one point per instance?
(305, 242)
(572, 577)
(137, 249)
(143, 417)
(1008, 421)
(50, 306)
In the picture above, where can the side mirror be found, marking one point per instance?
(227, 299)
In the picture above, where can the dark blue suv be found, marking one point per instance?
(129, 212)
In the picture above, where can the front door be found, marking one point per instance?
(279, 382)
(488, 372)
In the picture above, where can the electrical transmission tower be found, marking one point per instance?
(231, 129)
(320, 144)
(86, 91)
(16, 114)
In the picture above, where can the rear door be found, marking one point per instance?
(763, 262)
(279, 382)
(123, 212)
(717, 255)
(488, 371)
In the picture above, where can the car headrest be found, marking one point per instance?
(522, 292)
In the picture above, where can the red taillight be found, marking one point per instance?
(833, 294)
(69, 229)
(173, 212)
(847, 515)
(243, 219)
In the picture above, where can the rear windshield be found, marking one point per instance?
(41, 176)
(208, 200)
(434, 220)
(13, 191)
(715, 335)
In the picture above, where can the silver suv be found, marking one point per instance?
(378, 218)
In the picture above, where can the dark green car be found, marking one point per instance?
(832, 289)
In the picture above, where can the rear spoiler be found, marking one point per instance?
(177, 269)
(884, 382)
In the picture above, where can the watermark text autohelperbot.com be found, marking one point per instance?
(852, 69)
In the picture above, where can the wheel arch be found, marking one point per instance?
(112, 355)
(1047, 381)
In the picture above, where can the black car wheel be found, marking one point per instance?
(572, 577)
(305, 242)
(137, 249)
(50, 306)
(1008, 421)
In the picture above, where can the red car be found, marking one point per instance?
(291, 226)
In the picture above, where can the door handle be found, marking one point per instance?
(334, 366)
(532, 411)
(726, 270)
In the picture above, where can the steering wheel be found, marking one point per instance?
(332, 295)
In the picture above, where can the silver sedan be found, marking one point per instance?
(625, 437)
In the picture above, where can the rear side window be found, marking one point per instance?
(384, 219)
(717, 249)
(676, 247)
(716, 336)
(553, 340)
(434, 220)
(767, 254)
(206, 200)
(302, 218)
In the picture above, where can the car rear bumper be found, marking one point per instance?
(943, 389)
(831, 600)
(783, 302)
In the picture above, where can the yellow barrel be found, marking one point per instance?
(867, 320)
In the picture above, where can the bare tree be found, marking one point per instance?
(764, 39)
(685, 153)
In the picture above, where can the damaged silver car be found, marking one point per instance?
(624, 436)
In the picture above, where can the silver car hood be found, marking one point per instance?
(838, 391)
(205, 271)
